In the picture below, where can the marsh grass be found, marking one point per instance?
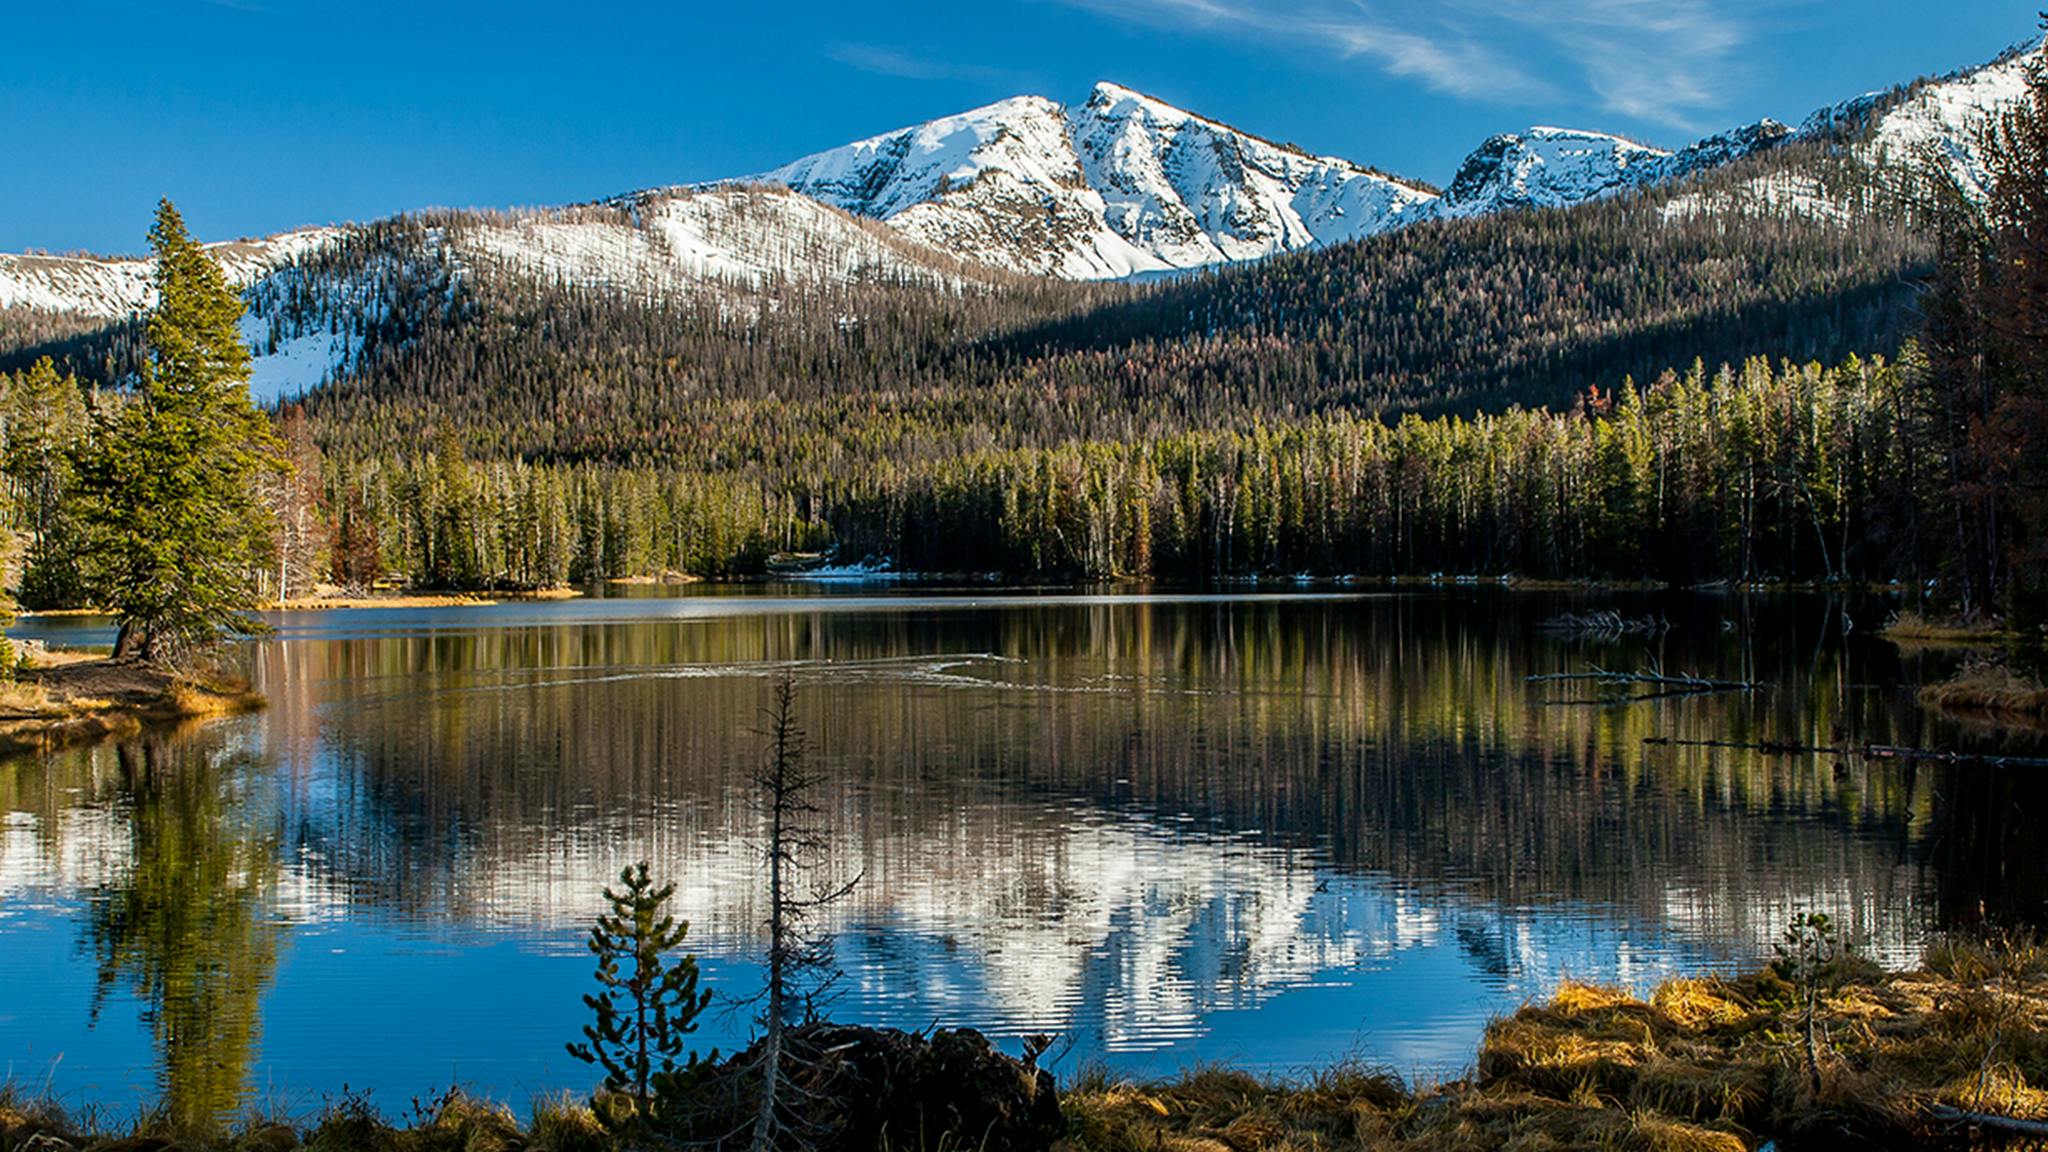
(1989, 687)
(1701, 1065)
(1910, 627)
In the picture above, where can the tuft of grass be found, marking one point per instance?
(21, 698)
(1988, 687)
(1909, 627)
(565, 1124)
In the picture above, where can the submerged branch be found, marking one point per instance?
(1672, 685)
(1865, 751)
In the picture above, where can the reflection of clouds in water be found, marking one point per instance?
(1127, 933)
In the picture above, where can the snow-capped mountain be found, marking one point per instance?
(1120, 184)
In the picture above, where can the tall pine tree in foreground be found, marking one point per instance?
(175, 532)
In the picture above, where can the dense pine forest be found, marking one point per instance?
(1702, 382)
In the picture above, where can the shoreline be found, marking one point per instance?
(1953, 1049)
(1909, 632)
(74, 701)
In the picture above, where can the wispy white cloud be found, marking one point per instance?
(1666, 62)
(908, 65)
(1462, 67)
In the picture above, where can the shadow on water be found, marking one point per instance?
(1276, 831)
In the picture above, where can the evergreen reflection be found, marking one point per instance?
(183, 923)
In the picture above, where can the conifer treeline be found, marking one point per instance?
(1792, 472)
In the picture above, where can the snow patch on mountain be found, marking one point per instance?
(1774, 195)
(672, 243)
(1546, 168)
(1194, 192)
(296, 365)
(1940, 123)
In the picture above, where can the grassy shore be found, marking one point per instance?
(1702, 1065)
(68, 698)
(1938, 1057)
(1912, 628)
(1991, 690)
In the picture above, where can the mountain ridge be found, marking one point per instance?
(1120, 185)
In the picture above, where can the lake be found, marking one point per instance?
(1273, 830)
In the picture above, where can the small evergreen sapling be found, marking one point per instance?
(644, 1012)
(1811, 955)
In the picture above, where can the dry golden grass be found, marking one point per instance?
(378, 600)
(80, 700)
(1702, 1065)
(19, 698)
(61, 657)
(1913, 628)
(1988, 687)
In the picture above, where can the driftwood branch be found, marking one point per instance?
(1769, 747)
(1866, 751)
(1991, 1122)
(1893, 752)
(1680, 683)
(1606, 623)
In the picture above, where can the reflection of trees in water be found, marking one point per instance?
(183, 922)
(1396, 736)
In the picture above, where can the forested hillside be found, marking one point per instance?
(1528, 308)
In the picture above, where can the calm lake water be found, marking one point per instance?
(1268, 830)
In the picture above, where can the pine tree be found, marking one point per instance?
(643, 1014)
(45, 419)
(175, 532)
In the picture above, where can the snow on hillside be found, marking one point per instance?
(1939, 123)
(671, 243)
(120, 287)
(1932, 129)
(1558, 167)
(110, 289)
(1775, 194)
(1196, 192)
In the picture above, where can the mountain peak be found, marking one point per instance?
(1111, 92)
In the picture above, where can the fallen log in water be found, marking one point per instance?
(1866, 751)
(1768, 747)
(1991, 1122)
(1680, 683)
(1606, 623)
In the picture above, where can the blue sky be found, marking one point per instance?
(259, 115)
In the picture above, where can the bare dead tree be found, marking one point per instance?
(800, 965)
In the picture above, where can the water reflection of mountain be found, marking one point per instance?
(1112, 820)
